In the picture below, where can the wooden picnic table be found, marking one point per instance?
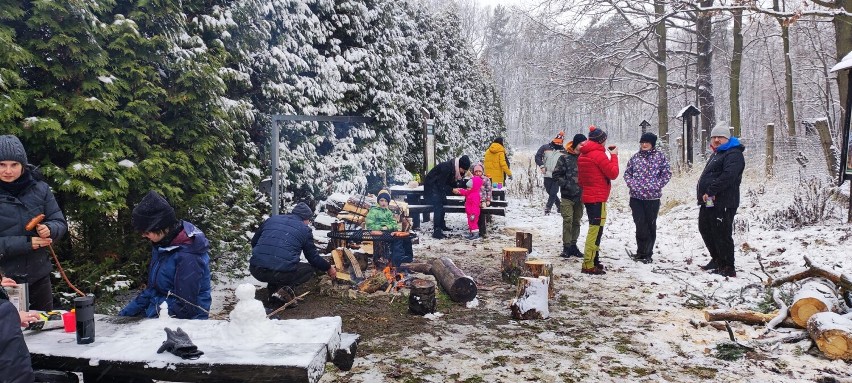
(294, 350)
(417, 206)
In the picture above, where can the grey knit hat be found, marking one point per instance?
(153, 213)
(303, 211)
(11, 149)
(721, 131)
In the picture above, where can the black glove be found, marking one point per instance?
(178, 343)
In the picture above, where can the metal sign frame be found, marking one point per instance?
(275, 144)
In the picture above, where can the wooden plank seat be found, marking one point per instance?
(417, 210)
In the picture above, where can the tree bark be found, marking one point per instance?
(524, 240)
(736, 69)
(513, 263)
(832, 334)
(539, 268)
(531, 300)
(421, 299)
(662, 73)
(460, 287)
(704, 47)
(816, 295)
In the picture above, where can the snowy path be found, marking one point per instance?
(628, 325)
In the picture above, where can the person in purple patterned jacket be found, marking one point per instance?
(647, 172)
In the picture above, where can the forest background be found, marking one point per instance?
(113, 98)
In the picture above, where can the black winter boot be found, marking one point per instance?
(566, 252)
(575, 251)
(712, 265)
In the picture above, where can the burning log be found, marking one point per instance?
(337, 256)
(513, 263)
(417, 267)
(540, 268)
(531, 300)
(816, 295)
(421, 299)
(373, 283)
(460, 287)
(524, 240)
(832, 334)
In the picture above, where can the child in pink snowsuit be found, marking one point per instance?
(472, 200)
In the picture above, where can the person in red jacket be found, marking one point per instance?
(597, 170)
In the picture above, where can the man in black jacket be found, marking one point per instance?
(718, 194)
(276, 253)
(438, 184)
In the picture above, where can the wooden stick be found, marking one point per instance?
(291, 302)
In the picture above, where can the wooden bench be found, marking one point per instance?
(416, 210)
(294, 350)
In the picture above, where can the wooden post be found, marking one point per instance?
(336, 227)
(460, 287)
(513, 263)
(524, 240)
(541, 268)
(421, 299)
(826, 141)
(770, 150)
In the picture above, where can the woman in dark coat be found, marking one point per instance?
(438, 184)
(24, 195)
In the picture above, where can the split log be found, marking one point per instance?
(356, 266)
(540, 268)
(524, 240)
(417, 267)
(513, 263)
(531, 300)
(373, 283)
(337, 227)
(357, 205)
(460, 287)
(337, 256)
(832, 334)
(816, 295)
(844, 281)
(421, 299)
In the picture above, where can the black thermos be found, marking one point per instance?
(85, 311)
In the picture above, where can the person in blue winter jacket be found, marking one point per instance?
(179, 273)
(277, 246)
(647, 172)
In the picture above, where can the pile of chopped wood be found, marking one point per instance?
(818, 308)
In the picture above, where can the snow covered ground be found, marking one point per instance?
(632, 324)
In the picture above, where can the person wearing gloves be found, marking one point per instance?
(647, 172)
(438, 184)
(566, 175)
(24, 254)
(546, 158)
(597, 171)
(496, 162)
(179, 272)
(277, 246)
(718, 194)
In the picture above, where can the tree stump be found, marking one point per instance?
(513, 263)
(524, 240)
(531, 300)
(540, 268)
(460, 287)
(421, 299)
(816, 295)
(832, 334)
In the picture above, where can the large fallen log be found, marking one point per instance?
(460, 287)
(745, 316)
(832, 334)
(816, 295)
(531, 300)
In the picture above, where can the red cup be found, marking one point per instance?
(69, 319)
